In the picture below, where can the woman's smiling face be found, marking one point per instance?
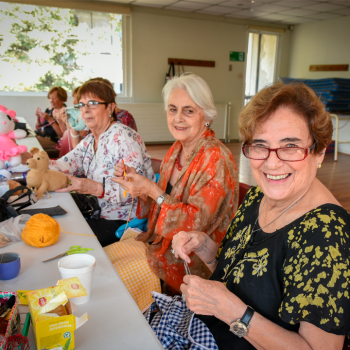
(278, 179)
(185, 119)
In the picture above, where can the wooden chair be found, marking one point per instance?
(156, 165)
(243, 189)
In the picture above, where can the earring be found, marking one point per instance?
(110, 115)
(319, 166)
(207, 123)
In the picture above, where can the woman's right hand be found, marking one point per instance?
(184, 243)
(60, 114)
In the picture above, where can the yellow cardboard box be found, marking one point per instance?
(52, 331)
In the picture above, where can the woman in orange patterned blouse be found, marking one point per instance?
(198, 186)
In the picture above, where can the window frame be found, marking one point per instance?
(277, 57)
(126, 96)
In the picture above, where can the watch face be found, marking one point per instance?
(160, 200)
(239, 329)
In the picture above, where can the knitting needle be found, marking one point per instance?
(187, 269)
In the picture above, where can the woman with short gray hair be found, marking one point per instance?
(198, 184)
(197, 89)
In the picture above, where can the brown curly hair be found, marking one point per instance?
(94, 87)
(61, 93)
(297, 97)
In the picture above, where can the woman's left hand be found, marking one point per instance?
(205, 297)
(135, 184)
(84, 186)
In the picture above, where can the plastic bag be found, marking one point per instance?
(11, 229)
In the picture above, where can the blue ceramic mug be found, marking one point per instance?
(10, 264)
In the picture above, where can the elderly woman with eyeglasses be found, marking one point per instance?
(281, 275)
(109, 143)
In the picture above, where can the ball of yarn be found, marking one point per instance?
(41, 231)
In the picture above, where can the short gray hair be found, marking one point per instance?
(197, 89)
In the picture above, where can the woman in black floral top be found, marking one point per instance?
(281, 275)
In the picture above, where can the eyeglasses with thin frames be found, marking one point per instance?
(288, 154)
(90, 104)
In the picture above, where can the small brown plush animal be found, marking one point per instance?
(40, 177)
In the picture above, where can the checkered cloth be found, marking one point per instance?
(176, 327)
(129, 259)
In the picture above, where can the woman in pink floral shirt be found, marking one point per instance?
(96, 155)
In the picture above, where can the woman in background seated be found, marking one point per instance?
(281, 276)
(75, 136)
(47, 127)
(197, 188)
(95, 157)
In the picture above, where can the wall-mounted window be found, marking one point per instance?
(261, 62)
(41, 47)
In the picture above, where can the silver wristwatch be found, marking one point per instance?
(241, 326)
(161, 199)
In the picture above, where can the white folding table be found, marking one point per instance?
(115, 321)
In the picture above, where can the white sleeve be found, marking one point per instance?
(133, 151)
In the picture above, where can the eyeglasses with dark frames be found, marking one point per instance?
(288, 154)
(90, 104)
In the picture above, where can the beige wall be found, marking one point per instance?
(321, 42)
(157, 37)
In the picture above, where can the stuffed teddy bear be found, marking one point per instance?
(40, 177)
(9, 151)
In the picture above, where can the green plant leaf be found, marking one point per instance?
(66, 346)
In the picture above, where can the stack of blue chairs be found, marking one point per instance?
(333, 92)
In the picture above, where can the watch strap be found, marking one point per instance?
(247, 315)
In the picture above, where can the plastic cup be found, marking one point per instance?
(81, 266)
(10, 264)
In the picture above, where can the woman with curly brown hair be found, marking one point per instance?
(47, 126)
(108, 143)
(281, 275)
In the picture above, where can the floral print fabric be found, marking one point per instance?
(298, 273)
(117, 143)
(126, 118)
(204, 198)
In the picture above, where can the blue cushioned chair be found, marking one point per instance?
(135, 223)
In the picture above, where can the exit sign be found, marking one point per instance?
(237, 56)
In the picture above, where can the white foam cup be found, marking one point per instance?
(81, 266)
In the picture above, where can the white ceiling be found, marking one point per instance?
(278, 11)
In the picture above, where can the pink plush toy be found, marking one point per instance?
(9, 151)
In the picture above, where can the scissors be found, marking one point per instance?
(75, 249)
